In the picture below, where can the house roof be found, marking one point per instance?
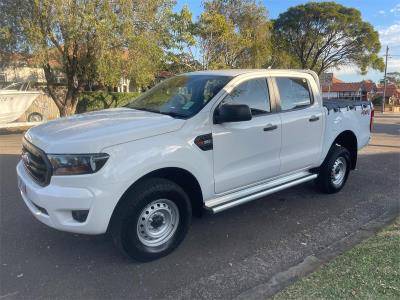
(365, 85)
(369, 85)
(25, 60)
(391, 90)
(342, 87)
(336, 80)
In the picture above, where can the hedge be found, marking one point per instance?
(377, 101)
(91, 101)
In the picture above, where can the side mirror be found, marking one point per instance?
(232, 113)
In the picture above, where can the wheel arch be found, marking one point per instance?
(185, 179)
(348, 140)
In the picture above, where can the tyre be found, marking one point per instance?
(152, 219)
(35, 117)
(334, 171)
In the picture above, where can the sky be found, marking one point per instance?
(384, 15)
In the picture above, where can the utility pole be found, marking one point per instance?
(384, 79)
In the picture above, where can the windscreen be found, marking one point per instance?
(182, 96)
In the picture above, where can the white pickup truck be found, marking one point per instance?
(207, 140)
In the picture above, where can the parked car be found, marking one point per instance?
(207, 140)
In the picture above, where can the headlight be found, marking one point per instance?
(76, 164)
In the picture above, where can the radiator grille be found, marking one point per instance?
(36, 163)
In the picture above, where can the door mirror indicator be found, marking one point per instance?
(232, 113)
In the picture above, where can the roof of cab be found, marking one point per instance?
(237, 72)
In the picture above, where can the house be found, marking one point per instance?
(337, 89)
(18, 67)
(369, 90)
(392, 95)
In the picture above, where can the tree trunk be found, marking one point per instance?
(66, 102)
(67, 98)
(68, 109)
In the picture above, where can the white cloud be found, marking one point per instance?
(381, 12)
(396, 10)
(352, 73)
(391, 35)
(393, 64)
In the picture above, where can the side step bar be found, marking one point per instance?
(218, 206)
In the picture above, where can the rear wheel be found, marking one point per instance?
(152, 219)
(334, 171)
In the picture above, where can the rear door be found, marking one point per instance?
(302, 123)
(247, 152)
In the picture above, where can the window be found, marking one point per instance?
(294, 92)
(181, 96)
(3, 77)
(254, 93)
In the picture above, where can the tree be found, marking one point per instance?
(234, 34)
(320, 36)
(89, 41)
(220, 44)
(392, 78)
(181, 44)
(11, 37)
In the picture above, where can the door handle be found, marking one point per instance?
(270, 127)
(313, 119)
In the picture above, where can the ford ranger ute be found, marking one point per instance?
(207, 140)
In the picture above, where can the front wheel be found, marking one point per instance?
(334, 171)
(152, 219)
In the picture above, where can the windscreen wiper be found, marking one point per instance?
(145, 109)
(173, 114)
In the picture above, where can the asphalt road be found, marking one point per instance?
(223, 255)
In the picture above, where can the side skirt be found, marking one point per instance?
(225, 202)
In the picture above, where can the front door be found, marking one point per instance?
(247, 152)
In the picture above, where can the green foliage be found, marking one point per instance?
(101, 42)
(377, 101)
(91, 101)
(90, 41)
(234, 34)
(324, 35)
(181, 52)
(392, 77)
(11, 37)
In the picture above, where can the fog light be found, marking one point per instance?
(80, 215)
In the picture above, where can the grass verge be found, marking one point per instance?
(371, 270)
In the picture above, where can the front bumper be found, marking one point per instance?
(53, 204)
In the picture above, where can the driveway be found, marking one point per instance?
(223, 255)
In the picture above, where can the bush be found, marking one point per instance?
(91, 101)
(377, 101)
